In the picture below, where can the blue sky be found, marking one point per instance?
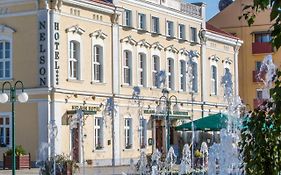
(212, 7)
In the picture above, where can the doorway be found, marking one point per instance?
(159, 135)
(75, 145)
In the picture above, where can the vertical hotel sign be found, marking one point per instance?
(43, 50)
(56, 44)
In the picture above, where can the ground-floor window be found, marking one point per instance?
(5, 130)
(99, 133)
(128, 133)
(143, 133)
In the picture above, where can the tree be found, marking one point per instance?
(251, 11)
(261, 136)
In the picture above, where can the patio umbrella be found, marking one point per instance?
(214, 122)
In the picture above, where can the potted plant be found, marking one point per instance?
(64, 166)
(23, 160)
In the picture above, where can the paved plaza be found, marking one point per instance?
(88, 171)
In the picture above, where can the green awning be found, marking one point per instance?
(86, 112)
(214, 122)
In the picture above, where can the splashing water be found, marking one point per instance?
(267, 71)
(143, 163)
(170, 160)
(185, 166)
(205, 153)
(155, 162)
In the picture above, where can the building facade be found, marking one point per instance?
(255, 48)
(102, 77)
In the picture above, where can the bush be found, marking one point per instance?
(19, 151)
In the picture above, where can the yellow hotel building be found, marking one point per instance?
(91, 69)
(256, 46)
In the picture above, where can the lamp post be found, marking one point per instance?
(22, 97)
(168, 101)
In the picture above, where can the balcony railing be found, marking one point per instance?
(191, 9)
(256, 78)
(258, 102)
(259, 47)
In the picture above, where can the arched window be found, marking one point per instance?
(171, 74)
(195, 76)
(5, 59)
(127, 67)
(182, 75)
(74, 60)
(98, 63)
(155, 70)
(214, 81)
(142, 69)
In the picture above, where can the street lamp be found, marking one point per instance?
(168, 101)
(22, 97)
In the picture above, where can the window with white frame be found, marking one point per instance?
(5, 130)
(5, 60)
(155, 24)
(182, 75)
(128, 18)
(99, 133)
(170, 28)
(128, 131)
(127, 67)
(142, 69)
(193, 34)
(195, 76)
(74, 59)
(214, 80)
(98, 63)
(181, 31)
(170, 73)
(258, 65)
(143, 133)
(155, 70)
(142, 21)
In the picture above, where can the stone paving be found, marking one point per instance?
(88, 171)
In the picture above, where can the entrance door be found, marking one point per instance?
(159, 135)
(75, 143)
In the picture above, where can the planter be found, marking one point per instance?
(23, 161)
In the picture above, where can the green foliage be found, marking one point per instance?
(261, 136)
(250, 12)
(19, 151)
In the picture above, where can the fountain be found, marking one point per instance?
(155, 159)
(170, 160)
(185, 166)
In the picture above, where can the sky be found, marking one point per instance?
(212, 7)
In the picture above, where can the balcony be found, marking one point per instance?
(191, 9)
(259, 47)
(258, 102)
(256, 78)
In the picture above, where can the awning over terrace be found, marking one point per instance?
(214, 122)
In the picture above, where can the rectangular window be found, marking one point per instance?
(128, 18)
(214, 80)
(195, 77)
(182, 75)
(263, 37)
(181, 31)
(5, 60)
(127, 67)
(74, 59)
(143, 133)
(5, 131)
(171, 73)
(97, 63)
(193, 34)
(142, 69)
(155, 25)
(259, 94)
(99, 133)
(155, 70)
(128, 129)
(258, 65)
(170, 28)
(142, 21)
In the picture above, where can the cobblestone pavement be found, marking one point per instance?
(88, 171)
